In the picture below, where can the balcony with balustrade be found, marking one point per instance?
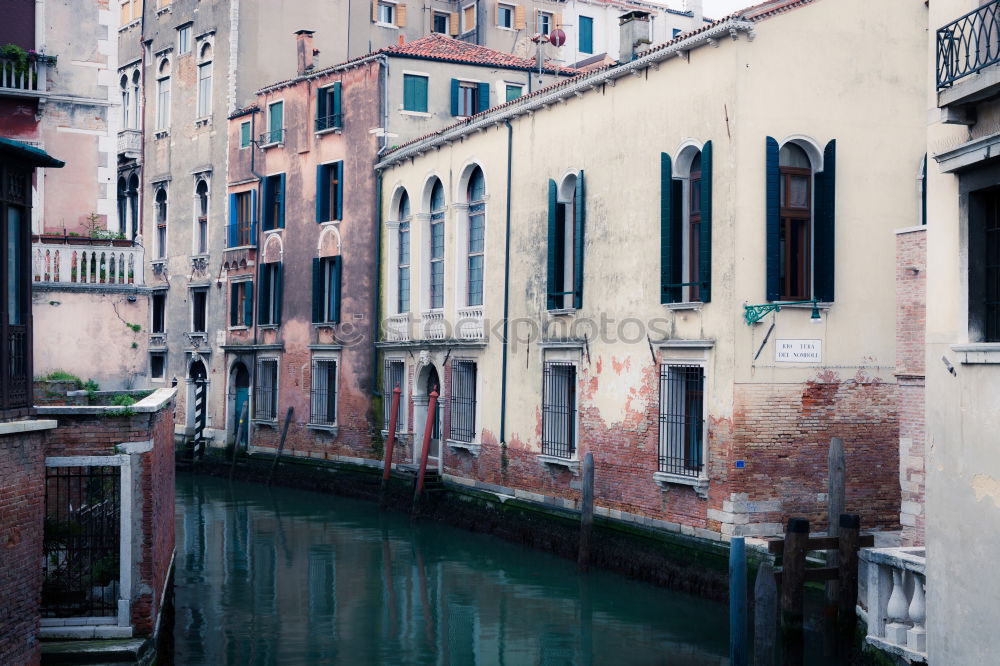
(130, 143)
(895, 606)
(71, 262)
(24, 78)
(968, 62)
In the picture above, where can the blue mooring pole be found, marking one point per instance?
(737, 602)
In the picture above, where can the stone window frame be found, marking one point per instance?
(199, 178)
(204, 43)
(325, 355)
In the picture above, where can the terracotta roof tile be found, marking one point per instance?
(441, 47)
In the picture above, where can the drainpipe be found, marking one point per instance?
(256, 319)
(376, 390)
(506, 288)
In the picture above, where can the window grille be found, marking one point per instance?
(559, 410)
(323, 396)
(463, 401)
(266, 395)
(393, 377)
(81, 539)
(682, 421)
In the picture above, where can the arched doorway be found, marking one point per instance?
(239, 399)
(427, 382)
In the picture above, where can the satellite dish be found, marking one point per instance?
(557, 37)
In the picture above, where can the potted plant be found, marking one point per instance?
(74, 238)
(120, 241)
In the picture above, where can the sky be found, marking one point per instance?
(719, 8)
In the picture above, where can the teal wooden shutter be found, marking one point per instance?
(317, 295)
(335, 288)
(705, 233)
(578, 227)
(264, 304)
(824, 250)
(421, 94)
(268, 223)
(322, 193)
(232, 231)
(454, 97)
(586, 35)
(281, 201)
(555, 250)
(234, 306)
(277, 293)
(321, 110)
(773, 221)
(484, 96)
(338, 119)
(338, 213)
(248, 304)
(670, 242)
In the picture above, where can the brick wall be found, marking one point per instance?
(911, 319)
(22, 492)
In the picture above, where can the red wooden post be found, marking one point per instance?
(428, 428)
(390, 444)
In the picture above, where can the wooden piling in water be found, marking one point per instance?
(793, 576)
(586, 513)
(389, 446)
(428, 428)
(281, 444)
(236, 442)
(737, 602)
(765, 616)
(836, 487)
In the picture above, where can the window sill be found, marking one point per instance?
(978, 353)
(471, 448)
(265, 146)
(163, 10)
(239, 328)
(332, 429)
(269, 327)
(561, 311)
(202, 122)
(330, 223)
(387, 25)
(807, 306)
(240, 247)
(161, 134)
(329, 130)
(665, 480)
(265, 423)
(553, 461)
(686, 305)
(276, 230)
(418, 114)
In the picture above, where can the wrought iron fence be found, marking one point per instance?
(968, 44)
(329, 122)
(559, 410)
(81, 541)
(15, 383)
(266, 395)
(393, 377)
(323, 394)
(682, 421)
(463, 401)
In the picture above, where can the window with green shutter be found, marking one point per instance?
(269, 297)
(566, 224)
(274, 202)
(415, 93)
(513, 92)
(326, 280)
(328, 111)
(586, 34)
(330, 191)
(245, 134)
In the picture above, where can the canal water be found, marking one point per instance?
(281, 576)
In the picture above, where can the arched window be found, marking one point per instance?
(201, 217)
(476, 193)
(437, 246)
(126, 106)
(133, 203)
(795, 227)
(205, 80)
(403, 257)
(122, 206)
(163, 95)
(137, 98)
(161, 223)
(565, 243)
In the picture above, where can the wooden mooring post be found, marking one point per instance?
(586, 513)
(836, 487)
(850, 543)
(765, 616)
(281, 444)
(428, 428)
(737, 602)
(236, 442)
(390, 444)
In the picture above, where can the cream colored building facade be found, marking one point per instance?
(697, 421)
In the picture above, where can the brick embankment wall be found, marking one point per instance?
(22, 493)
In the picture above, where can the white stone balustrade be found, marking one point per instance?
(469, 323)
(86, 264)
(30, 80)
(397, 328)
(896, 603)
(433, 325)
(130, 143)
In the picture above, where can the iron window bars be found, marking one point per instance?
(266, 393)
(323, 393)
(682, 421)
(393, 377)
(559, 410)
(968, 44)
(81, 541)
(463, 401)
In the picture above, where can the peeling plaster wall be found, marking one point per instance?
(777, 418)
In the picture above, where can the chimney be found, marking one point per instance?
(697, 11)
(633, 29)
(304, 51)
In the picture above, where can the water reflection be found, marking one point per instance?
(291, 577)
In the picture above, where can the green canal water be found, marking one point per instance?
(283, 576)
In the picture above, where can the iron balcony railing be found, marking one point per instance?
(272, 137)
(329, 122)
(968, 44)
